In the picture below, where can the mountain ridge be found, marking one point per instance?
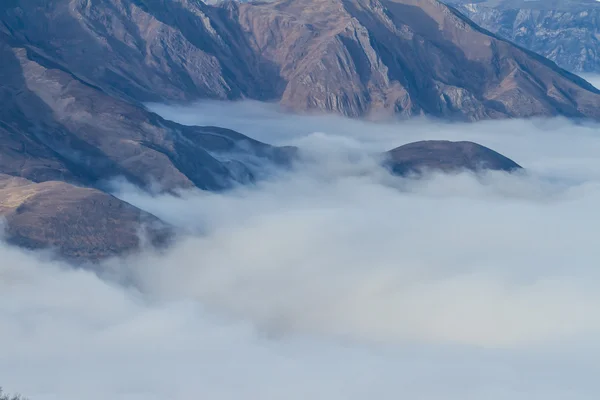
(566, 32)
(351, 57)
(76, 73)
(63, 139)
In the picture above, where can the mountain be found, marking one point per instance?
(59, 134)
(143, 50)
(564, 31)
(75, 75)
(352, 57)
(81, 223)
(446, 156)
(56, 126)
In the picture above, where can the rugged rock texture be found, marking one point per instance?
(145, 50)
(564, 31)
(353, 57)
(407, 56)
(446, 156)
(81, 223)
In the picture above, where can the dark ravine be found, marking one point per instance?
(446, 156)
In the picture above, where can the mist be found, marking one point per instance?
(594, 79)
(334, 280)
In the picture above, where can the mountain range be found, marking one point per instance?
(59, 135)
(564, 31)
(352, 57)
(75, 75)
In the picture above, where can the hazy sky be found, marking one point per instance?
(336, 280)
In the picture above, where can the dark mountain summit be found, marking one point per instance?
(446, 156)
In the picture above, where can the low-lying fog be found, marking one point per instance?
(594, 79)
(335, 281)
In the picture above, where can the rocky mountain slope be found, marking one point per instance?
(564, 31)
(75, 74)
(57, 127)
(353, 57)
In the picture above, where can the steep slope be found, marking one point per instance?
(353, 57)
(565, 31)
(58, 133)
(446, 156)
(145, 50)
(82, 224)
(55, 126)
(407, 56)
(74, 72)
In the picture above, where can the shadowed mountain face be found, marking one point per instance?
(56, 127)
(353, 57)
(446, 156)
(565, 31)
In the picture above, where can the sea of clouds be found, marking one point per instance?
(334, 280)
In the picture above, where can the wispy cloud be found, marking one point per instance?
(335, 280)
(594, 79)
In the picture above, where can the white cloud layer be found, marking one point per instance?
(335, 281)
(594, 79)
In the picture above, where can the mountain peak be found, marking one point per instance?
(446, 156)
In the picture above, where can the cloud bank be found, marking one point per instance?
(594, 79)
(335, 280)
